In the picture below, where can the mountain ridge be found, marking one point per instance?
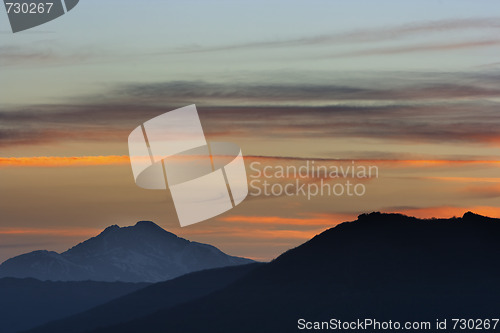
(145, 301)
(28, 302)
(144, 252)
(383, 266)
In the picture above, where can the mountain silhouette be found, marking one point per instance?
(27, 303)
(159, 296)
(141, 253)
(382, 266)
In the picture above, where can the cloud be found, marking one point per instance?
(374, 34)
(53, 161)
(12, 55)
(54, 54)
(371, 87)
(23, 245)
(469, 123)
(41, 124)
(417, 48)
(315, 172)
(471, 179)
(15, 55)
(483, 191)
(489, 65)
(410, 107)
(474, 123)
(59, 232)
(268, 233)
(326, 220)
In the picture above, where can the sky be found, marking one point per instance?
(410, 88)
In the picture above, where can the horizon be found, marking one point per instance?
(101, 231)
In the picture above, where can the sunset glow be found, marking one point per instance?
(402, 107)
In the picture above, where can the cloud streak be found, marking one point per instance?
(54, 54)
(425, 107)
(358, 36)
(55, 161)
(324, 220)
(13, 55)
(60, 232)
(418, 48)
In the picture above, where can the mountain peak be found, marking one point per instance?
(138, 253)
(477, 218)
(470, 214)
(147, 224)
(111, 228)
(380, 218)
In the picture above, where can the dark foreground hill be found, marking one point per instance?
(26, 303)
(382, 266)
(157, 297)
(141, 253)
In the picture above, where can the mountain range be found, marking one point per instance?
(26, 303)
(159, 296)
(381, 266)
(141, 253)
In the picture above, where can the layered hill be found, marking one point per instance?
(381, 266)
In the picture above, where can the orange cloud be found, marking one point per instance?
(55, 161)
(69, 232)
(467, 179)
(423, 163)
(255, 234)
(365, 161)
(327, 220)
(60, 161)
